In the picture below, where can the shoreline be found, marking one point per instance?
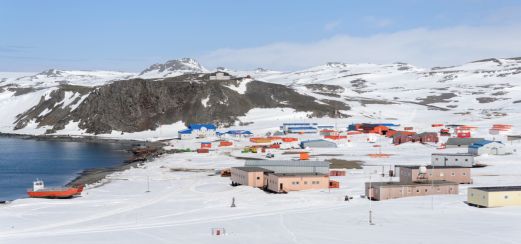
(141, 151)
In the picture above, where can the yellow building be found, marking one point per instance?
(497, 196)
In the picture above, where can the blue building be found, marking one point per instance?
(300, 127)
(239, 133)
(488, 147)
(198, 131)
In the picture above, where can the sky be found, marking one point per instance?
(128, 35)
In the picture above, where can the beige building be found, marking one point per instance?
(390, 190)
(459, 175)
(279, 182)
(498, 196)
(250, 176)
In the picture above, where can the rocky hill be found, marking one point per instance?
(181, 91)
(137, 104)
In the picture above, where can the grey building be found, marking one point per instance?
(291, 166)
(452, 159)
(318, 144)
(461, 142)
(514, 138)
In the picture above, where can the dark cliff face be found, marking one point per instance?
(137, 105)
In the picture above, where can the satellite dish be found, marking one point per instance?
(423, 169)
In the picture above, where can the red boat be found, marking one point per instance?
(39, 191)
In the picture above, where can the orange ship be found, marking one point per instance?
(39, 191)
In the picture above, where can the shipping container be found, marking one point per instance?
(304, 156)
(334, 184)
(225, 143)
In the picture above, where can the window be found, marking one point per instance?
(453, 174)
(506, 196)
(305, 182)
(464, 174)
(258, 178)
(426, 190)
(466, 160)
(417, 190)
(438, 189)
(456, 160)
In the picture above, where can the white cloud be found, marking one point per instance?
(331, 25)
(422, 47)
(377, 22)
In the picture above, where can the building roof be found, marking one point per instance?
(462, 141)
(430, 167)
(253, 169)
(453, 154)
(318, 140)
(302, 128)
(239, 132)
(481, 143)
(185, 131)
(299, 123)
(294, 163)
(298, 174)
(397, 183)
(199, 126)
(498, 188)
(428, 133)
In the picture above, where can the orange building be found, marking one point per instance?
(249, 176)
(280, 182)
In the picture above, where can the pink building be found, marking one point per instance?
(459, 175)
(279, 182)
(250, 176)
(390, 190)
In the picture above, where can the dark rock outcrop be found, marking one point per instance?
(138, 105)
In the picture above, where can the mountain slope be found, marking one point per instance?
(480, 92)
(136, 105)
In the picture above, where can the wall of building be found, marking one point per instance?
(493, 199)
(186, 136)
(493, 148)
(458, 175)
(452, 160)
(285, 166)
(297, 183)
(319, 144)
(254, 179)
(398, 191)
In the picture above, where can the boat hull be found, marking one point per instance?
(56, 193)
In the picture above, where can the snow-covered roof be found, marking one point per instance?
(199, 126)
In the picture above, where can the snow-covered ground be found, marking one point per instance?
(184, 206)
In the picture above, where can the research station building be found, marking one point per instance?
(497, 196)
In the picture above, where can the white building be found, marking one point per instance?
(198, 131)
(489, 147)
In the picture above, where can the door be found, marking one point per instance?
(281, 187)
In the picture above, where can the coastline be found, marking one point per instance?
(141, 152)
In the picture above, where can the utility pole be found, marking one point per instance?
(370, 202)
(148, 184)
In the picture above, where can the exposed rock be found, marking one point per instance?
(138, 105)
